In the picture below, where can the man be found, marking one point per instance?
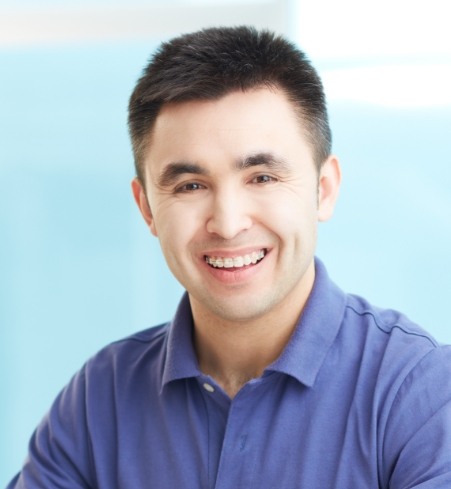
(269, 376)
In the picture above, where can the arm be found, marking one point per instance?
(59, 451)
(417, 441)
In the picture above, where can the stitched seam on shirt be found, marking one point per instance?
(384, 327)
(163, 331)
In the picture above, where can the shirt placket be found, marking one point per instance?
(238, 454)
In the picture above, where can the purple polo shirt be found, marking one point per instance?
(360, 398)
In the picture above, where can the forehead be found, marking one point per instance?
(243, 109)
(240, 123)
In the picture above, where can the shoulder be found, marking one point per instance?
(148, 338)
(132, 357)
(412, 368)
(397, 353)
(144, 346)
(389, 327)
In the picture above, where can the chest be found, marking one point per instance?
(275, 434)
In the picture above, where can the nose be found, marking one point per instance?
(229, 215)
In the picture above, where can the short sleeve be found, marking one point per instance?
(59, 452)
(417, 440)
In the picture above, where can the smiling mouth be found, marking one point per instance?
(236, 261)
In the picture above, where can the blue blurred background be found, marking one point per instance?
(78, 269)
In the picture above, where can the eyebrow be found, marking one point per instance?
(268, 160)
(172, 171)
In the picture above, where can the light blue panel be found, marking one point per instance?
(390, 239)
(78, 267)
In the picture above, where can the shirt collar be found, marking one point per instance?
(302, 357)
(315, 332)
(181, 361)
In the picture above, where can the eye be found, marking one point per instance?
(263, 179)
(189, 187)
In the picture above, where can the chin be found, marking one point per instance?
(240, 311)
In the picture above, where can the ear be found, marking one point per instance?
(143, 204)
(328, 187)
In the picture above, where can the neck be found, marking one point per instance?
(235, 352)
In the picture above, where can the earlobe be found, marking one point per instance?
(328, 188)
(142, 202)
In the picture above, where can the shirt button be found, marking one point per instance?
(208, 387)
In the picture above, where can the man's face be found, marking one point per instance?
(234, 199)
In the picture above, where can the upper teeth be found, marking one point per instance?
(236, 261)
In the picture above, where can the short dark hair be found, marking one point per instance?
(213, 62)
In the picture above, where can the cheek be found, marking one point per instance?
(295, 224)
(290, 211)
(177, 225)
